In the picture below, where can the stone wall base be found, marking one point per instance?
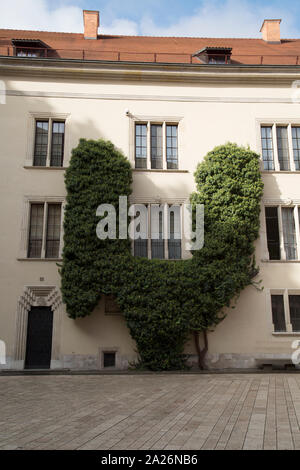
(240, 361)
(213, 362)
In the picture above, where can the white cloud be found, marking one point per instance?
(37, 15)
(213, 18)
(230, 18)
(120, 26)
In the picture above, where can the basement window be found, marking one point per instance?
(109, 359)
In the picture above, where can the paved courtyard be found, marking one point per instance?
(232, 411)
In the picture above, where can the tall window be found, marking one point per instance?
(156, 146)
(141, 146)
(294, 302)
(172, 147)
(174, 241)
(162, 236)
(283, 229)
(157, 235)
(283, 148)
(41, 143)
(273, 232)
(44, 230)
(49, 146)
(36, 231)
(278, 313)
(280, 147)
(289, 233)
(286, 311)
(141, 243)
(267, 148)
(296, 146)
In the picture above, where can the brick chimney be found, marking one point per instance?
(91, 24)
(271, 31)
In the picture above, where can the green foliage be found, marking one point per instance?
(162, 301)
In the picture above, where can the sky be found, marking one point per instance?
(198, 18)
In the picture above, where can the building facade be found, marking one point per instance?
(164, 102)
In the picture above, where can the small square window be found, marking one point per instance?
(109, 359)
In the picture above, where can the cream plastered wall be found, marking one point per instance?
(209, 114)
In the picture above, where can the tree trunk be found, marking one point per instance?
(201, 353)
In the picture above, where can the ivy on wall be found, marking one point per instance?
(162, 301)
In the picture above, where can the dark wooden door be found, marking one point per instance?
(39, 338)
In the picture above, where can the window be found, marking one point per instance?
(267, 148)
(29, 48)
(278, 313)
(44, 230)
(156, 146)
(282, 226)
(109, 359)
(161, 237)
(284, 155)
(141, 146)
(286, 311)
(111, 306)
(294, 302)
(49, 146)
(214, 55)
(273, 232)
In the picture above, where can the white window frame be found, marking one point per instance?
(158, 120)
(25, 226)
(288, 123)
(33, 117)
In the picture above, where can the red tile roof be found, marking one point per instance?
(154, 49)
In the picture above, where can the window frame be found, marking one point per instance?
(154, 121)
(165, 222)
(25, 227)
(296, 214)
(289, 124)
(32, 118)
(285, 293)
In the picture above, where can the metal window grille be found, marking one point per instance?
(273, 232)
(289, 233)
(296, 146)
(57, 144)
(141, 145)
(53, 230)
(267, 147)
(41, 143)
(156, 146)
(36, 231)
(294, 301)
(283, 148)
(278, 313)
(172, 147)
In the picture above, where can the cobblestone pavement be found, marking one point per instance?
(232, 411)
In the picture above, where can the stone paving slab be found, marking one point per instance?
(164, 411)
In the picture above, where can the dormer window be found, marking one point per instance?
(29, 48)
(214, 55)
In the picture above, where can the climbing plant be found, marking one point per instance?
(162, 301)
